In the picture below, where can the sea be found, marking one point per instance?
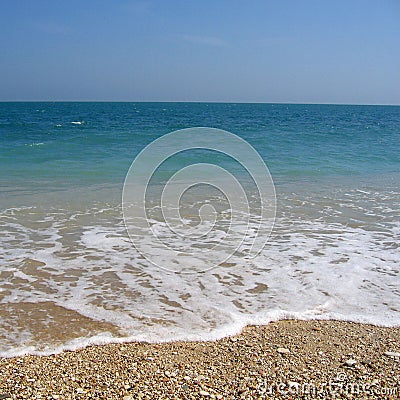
(71, 275)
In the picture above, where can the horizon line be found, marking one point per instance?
(198, 101)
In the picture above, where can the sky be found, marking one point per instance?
(287, 51)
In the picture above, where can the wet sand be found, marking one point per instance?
(285, 359)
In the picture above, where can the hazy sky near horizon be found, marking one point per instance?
(342, 51)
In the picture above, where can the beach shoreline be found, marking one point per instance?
(284, 359)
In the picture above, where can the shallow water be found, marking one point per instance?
(69, 274)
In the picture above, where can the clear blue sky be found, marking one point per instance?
(338, 51)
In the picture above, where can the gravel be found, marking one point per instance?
(285, 359)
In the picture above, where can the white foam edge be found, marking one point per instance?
(231, 329)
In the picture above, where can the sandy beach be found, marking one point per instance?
(285, 359)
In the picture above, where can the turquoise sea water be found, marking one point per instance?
(65, 257)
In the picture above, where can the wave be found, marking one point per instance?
(64, 259)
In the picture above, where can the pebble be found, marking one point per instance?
(204, 393)
(350, 362)
(283, 350)
(392, 354)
